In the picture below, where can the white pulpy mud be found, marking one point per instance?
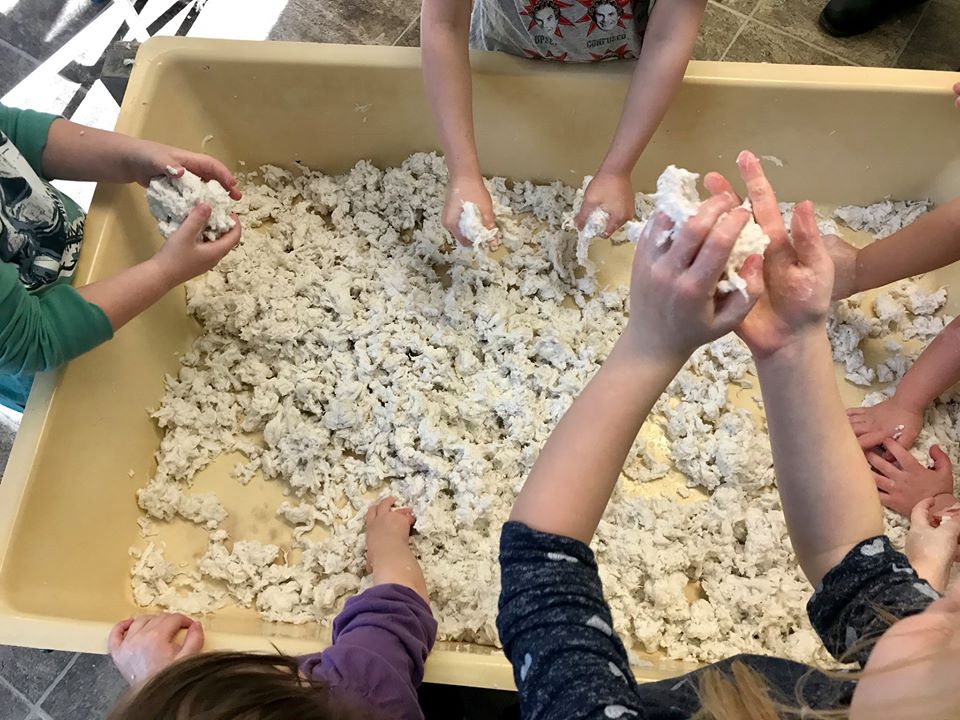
(373, 355)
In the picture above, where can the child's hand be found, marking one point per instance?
(144, 646)
(613, 193)
(185, 254)
(956, 89)
(674, 305)
(874, 424)
(149, 159)
(932, 544)
(905, 482)
(844, 256)
(797, 275)
(388, 533)
(467, 190)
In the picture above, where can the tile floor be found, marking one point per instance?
(51, 55)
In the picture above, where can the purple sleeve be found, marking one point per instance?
(381, 640)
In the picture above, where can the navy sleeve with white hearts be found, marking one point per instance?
(872, 576)
(557, 631)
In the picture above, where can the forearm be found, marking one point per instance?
(401, 568)
(828, 494)
(572, 480)
(76, 152)
(666, 51)
(130, 292)
(935, 371)
(927, 244)
(447, 79)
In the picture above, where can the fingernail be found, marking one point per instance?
(744, 156)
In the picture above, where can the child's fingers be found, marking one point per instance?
(117, 633)
(920, 515)
(387, 503)
(696, 231)
(210, 168)
(763, 199)
(732, 309)
(138, 624)
(717, 184)
(892, 503)
(171, 624)
(884, 483)
(882, 466)
(900, 454)
(806, 235)
(196, 221)
(710, 260)
(193, 642)
(870, 440)
(174, 171)
(653, 239)
(856, 412)
(940, 459)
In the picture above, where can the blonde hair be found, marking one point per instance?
(746, 695)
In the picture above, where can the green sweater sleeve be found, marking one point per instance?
(44, 330)
(27, 130)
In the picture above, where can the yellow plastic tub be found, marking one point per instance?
(67, 501)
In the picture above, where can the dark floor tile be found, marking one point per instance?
(718, 28)
(879, 47)
(343, 21)
(32, 671)
(742, 6)
(411, 36)
(935, 44)
(760, 44)
(14, 67)
(12, 707)
(87, 691)
(41, 27)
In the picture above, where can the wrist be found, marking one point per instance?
(162, 272)
(636, 345)
(908, 400)
(794, 349)
(615, 165)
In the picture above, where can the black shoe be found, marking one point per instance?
(845, 18)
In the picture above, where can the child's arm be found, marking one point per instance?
(144, 646)
(445, 26)
(927, 244)
(673, 310)
(936, 370)
(828, 493)
(76, 152)
(388, 547)
(667, 46)
(184, 255)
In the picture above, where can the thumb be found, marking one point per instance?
(940, 458)
(193, 642)
(734, 307)
(196, 221)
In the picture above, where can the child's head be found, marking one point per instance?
(911, 675)
(232, 686)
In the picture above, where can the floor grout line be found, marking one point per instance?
(22, 53)
(56, 680)
(12, 688)
(406, 29)
(777, 30)
(736, 35)
(926, 9)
